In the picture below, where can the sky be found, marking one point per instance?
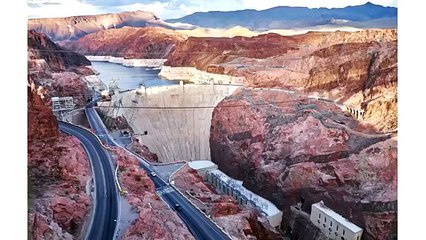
(168, 9)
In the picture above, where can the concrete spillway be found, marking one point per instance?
(177, 119)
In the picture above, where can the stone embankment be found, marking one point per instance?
(191, 74)
(128, 62)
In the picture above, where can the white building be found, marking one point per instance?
(332, 224)
(234, 188)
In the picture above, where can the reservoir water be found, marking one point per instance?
(129, 77)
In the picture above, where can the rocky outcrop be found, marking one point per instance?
(156, 220)
(58, 169)
(58, 172)
(143, 151)
(240, 222)
(58, 59)
(128, 42)
(58, 71)
(41, 122)
(203, 52)
(75, 27)
(362, 75)
(358, 69)
(291, 149)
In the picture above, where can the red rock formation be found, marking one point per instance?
(41, 47)
(287, 149)
(143, 151)
(358, 69)
(238, 221)
(156, 220)
(204, 52)
(58, 172)
(58, 169)
(72, 28)
(42, 124)
(58, 71)
(128, 42)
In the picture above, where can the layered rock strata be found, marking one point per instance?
(291, 149)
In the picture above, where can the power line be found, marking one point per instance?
(205, 107)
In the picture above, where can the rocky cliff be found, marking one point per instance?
(58, 169)
(58, 59)
(291, 149)
(205, 52)
(156, 220)
(75, 27)
(58, 71)
(358, 69)
(58, 173)
(128, 42)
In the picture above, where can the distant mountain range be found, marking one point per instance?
(363, 16)
(75, 27)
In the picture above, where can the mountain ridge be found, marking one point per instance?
(287, 17)
(75, 27)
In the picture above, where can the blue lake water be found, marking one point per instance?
(129, 77)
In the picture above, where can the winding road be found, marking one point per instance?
(104, 213)
(200, 226)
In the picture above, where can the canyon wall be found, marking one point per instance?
(60, 73)
(176, 118)
(59, 176)
(128, 42)
(291, 149)
(358, 69)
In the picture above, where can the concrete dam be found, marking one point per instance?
(177, 118)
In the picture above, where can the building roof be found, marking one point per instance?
(339, 218)
(202, 164)
(263, 204)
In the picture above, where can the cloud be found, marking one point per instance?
(167, 9)
(63, 8)
(160, 9)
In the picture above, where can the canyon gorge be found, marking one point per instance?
(270, 110)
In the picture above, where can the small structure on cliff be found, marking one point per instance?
(357, 113)
(61, 105)
(332, 224)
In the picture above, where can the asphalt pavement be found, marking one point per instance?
(105, 209)
(200, 226)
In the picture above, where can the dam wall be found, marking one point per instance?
(132, 62)
(177, 118)
(198, 77)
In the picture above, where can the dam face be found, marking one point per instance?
(177, 118)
